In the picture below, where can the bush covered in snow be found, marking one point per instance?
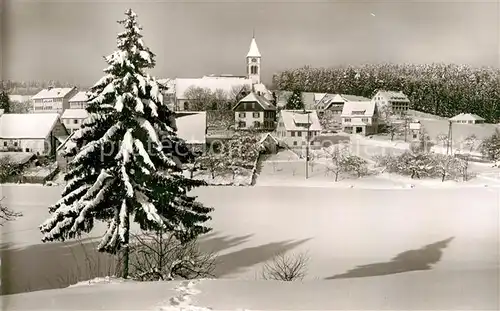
(490, 147)
(440, 89)
(424, 165)
(340, 161)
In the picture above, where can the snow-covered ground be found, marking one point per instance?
(447, 235)
(411, 291)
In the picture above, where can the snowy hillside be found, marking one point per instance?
(412, 291)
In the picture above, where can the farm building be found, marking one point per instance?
(39, 133)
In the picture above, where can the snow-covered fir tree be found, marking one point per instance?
(295, 102)
(124, 162)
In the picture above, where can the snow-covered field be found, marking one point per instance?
(445, 240)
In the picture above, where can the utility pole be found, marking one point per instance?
(448, 145)
(307, 145)
(406, 127)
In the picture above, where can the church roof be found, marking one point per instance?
(254, 50)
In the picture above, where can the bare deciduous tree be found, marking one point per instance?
(6, 214)
(337, 155)
(160, 256)
(285, 267)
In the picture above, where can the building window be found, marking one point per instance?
(75, 121)
(15, 144)
(347, 119)
(241, 114)
(242, 124)
(27, 149)
(364, 119)
(186, 106)
(414, 135)
(256, 114)
(5, 144)
(292, 133)
(295, 143)
(253, 105)
(256, 124)
(299, 133)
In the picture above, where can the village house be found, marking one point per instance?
(467, 118)
(334, 103)
(360, 118)
(39, 133)
(295, 125)
(79, 101)
(73, 119)
(415, 129)
(254, 112)
(53, 100)
(397, 103)
(231, 85)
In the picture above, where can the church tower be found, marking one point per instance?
(253, 62)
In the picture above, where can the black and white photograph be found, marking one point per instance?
(196, 155)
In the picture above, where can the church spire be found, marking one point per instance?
(254, 50)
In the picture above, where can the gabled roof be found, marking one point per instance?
(79, 97)
(393, 95)
(263, 90)
(27, 125)
(55, 92)
(319, 96)
(192, 127)
(333, 98)
(254, 50)
(365, 108)
(293, 119)
(254, 98)
(212, 83)
(467, 117)
(75, 114)
(265, 135)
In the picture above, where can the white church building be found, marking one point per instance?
(230, 84)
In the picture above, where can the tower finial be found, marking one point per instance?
(253, 33)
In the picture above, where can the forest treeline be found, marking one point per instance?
(440, 89)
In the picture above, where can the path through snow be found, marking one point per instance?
(182, 302)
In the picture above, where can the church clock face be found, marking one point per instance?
(254, 60)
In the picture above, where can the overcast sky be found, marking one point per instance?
(65, 40)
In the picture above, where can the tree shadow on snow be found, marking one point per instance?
(237, 261)
(57, 265)
(412, 260)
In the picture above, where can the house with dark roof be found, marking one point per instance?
(335, 102)
(254, 112)
(360, 118)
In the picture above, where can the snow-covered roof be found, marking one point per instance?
(75, 114)
(329, 99)
(393, 95)
(79, 97)
(213, 83)
(192, 127)
(365, 108)
(27, 125)
(17, 157)
(254, 98)
(297, 120)
(55, 92)
(319, 96)
(260, 87)
(467, 117)
(265, 135)
(254, 50)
